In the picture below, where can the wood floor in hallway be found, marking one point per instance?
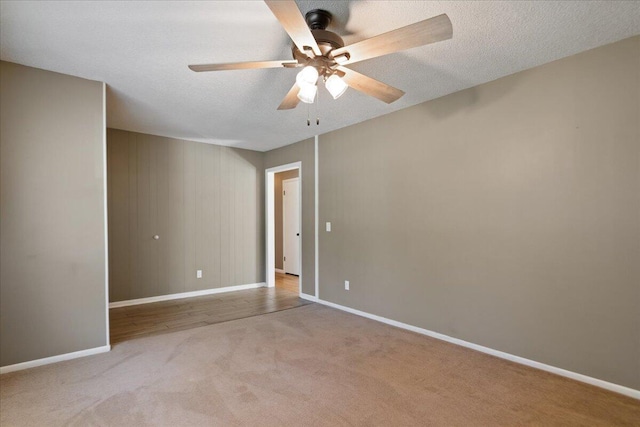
(287, 282)
(167, 316)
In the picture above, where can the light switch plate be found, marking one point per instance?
(346, 285)
(328, 226)
(198, 274)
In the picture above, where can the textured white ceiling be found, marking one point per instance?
(141, 50)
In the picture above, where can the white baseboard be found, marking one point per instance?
(54, 359)
(308, 297)
(185, 295)
(279, 270)
(517, 359)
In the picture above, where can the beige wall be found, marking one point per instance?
(52, 236)
(302, 152)
(204, 201)
(507, 215)
(279, 231)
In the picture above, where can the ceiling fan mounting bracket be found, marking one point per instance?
(318, 19)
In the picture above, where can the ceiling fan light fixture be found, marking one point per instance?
(336, 86)
(323, 52)
(308, 76)
(307, 93)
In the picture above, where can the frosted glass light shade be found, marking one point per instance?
(336, 86)
(307, 93)
(308, 76)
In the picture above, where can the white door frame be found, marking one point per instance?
(284, 220)
(270, 273)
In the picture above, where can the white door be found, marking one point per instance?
(291, 225)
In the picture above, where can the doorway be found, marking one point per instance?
(283, 227)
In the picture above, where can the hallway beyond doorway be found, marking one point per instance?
(287, 282)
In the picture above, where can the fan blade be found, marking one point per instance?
(294, 24)
(243, 65)
(369, 86)
(421, 33)
(291, 100)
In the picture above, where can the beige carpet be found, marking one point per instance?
(306, 366)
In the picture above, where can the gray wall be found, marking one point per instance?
(303, 152)
(279, 230)
(206, 203)
(507, 215)
(52, 243)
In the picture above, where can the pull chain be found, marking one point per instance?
(318, 107)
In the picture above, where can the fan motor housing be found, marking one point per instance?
(318, 20)
(327, 41)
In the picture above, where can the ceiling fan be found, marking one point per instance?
(322, 53)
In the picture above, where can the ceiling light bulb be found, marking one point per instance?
(307, 93)
(336, 86)
(308, 76)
